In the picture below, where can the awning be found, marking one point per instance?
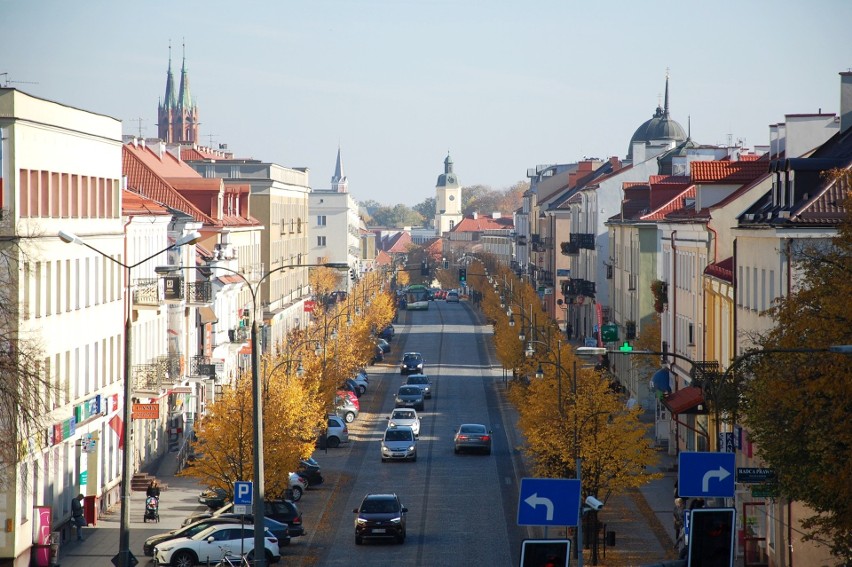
(207, 315)
(687, 400)
(660, 380)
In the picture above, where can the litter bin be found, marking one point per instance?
(46, 554)
(54, 548)
(322, 442)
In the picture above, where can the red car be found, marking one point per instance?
(352, 397)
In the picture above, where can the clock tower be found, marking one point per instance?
(447, 199)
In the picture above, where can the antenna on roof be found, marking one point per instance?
(8, 81)
(139, 126)
(210, 140)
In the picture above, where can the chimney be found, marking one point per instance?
(845, 100)
(496, 215)
(475, 215)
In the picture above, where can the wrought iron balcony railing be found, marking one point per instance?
(146, 292)
(200, 292)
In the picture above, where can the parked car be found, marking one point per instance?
(409, 397)
(350, 385)
(336, 432)
(405, 417)
(284, 511)
(380, 516)
(452, 296)
(384, 345)
(298, 485)
(214, 497)
(378, 355)
(387, 333)
(421, 381)
(399, 443)
(362, 382)
(344, 407)
(213, 544)
(279, 529)
(472, 437)
(411, 363)
(310, 470)
(184, 531)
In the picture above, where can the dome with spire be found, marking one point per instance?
(659, 127)
(448, 178)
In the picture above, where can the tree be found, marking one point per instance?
(797, 407)
(27, 391)
(426, 208)
(397, 216)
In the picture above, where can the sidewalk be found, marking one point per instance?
(101, 542)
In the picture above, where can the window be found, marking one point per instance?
(320, 240)
(321, 220)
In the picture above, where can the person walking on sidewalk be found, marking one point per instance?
(77, 516)
(153, 490)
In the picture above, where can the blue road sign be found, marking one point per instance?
(549, 502)
(706, 475)
(242, 493)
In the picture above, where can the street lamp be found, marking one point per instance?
(258, 509)
(125, 558)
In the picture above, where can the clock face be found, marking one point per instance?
(452, 197)
(451, 179)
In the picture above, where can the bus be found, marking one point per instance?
(417, 298)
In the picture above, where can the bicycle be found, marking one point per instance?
(227, 558)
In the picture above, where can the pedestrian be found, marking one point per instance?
(569, 331)
(677, 517)
(153, 489)
(77, 517)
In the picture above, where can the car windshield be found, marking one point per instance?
(379, 507)
(397, 435)
(403, 415)
(472, 429)
(412, 358)
(410, 391)
(417, 380)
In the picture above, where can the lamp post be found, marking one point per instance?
(125, 558)
(258, 509)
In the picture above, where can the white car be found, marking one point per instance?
(211, 545)
(405, 417)
(362, 382)
(298, 485)
(399, 443)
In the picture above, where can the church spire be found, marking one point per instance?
(185, 100)
(170, 100)
(339, 182)
(666, 104)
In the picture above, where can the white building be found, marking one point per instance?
(448, 200)
(335, 225)
(61, 170)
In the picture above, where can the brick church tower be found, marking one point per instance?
(177, 115)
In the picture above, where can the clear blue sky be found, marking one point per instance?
(501, 85)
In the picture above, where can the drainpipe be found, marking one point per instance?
(674, 327)
(704, 295)
(789, 251)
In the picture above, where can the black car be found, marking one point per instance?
(378, 355)
(411, 363)
(387, 333)
(380, 516)
(310, 469)
(284, 511)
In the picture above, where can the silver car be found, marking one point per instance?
(421, 381)
(409, 397)
(405, 417)
(399, 443)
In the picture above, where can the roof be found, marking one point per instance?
(133, 203)
(723, 270)
(483, 223)
(660, 127)
(686, 400)
(737, 172)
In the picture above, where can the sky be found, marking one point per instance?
(501, 86)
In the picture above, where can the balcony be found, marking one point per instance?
(199, 292)
(575, 287)
(160, 373)
(238, 335)
(202, 366)
(146, 292)
(570, 248)
(583, 240)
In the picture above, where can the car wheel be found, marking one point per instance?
(183, 559)
(488, 451)
(333, 442)
(400, 538)
(420, 407)
(362, 389)
(414, 458)
(456, 450)
(297, 493)
(349, 417)
(358, 540)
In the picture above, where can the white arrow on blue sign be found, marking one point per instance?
(242, 493)
(549, 502)
(706, 475)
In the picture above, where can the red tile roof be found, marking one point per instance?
(684, 400)
(133, 203)
(723, 270)
(383, 258)
(738, 172)
(669, 203)
(481, 224)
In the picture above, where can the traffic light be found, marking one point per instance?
(463, 275)
(711, 537)
(352, 274)
(549, 552)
